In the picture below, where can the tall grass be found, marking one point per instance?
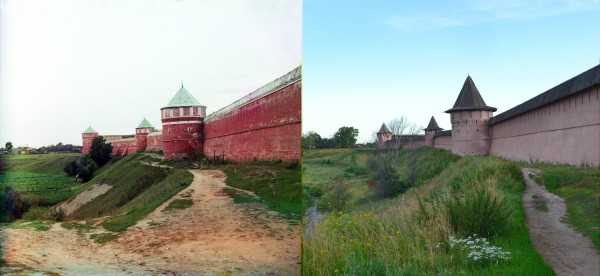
(404, 236)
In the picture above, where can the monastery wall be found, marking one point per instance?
(564, 131)
(154, 142)
(443, 142)
(264, 125)
(122, 145)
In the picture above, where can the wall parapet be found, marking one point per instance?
(570, 87)
(279, 83)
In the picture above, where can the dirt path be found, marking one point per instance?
(213, 236)
(567, 251)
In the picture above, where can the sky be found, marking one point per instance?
(368, 62)
(66, 65)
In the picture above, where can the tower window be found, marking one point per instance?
(181, 112)
(189, 129)
(171, 112)
(191, 111)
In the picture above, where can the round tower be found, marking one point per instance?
(141, 134)
(87, 138)
(430, 131)
(183, 122)
(383, 135)
(469, 117)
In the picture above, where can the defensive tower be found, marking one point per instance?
(141, 134)
(469, 117)
(88, 136)
(183, 121)
(383, 135)
(430, 131)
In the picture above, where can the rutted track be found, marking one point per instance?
(567, 251)
(212, 236)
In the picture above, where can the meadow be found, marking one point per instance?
(40, 179)
(432, 228)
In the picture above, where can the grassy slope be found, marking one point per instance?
(398, 237)
(322, 166)
(580, 187)
(124, 202)
(278, 185)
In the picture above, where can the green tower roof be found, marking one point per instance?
(183, 98)
(145, 124)
(90, 130)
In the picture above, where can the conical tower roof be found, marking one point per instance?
(145, 124)
(90, 130)
(384, 129)
(433, 125)
(183, 98)
(469, 98)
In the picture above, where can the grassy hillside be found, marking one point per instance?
(580, 188)
(40, 178)
(137, 190)
(40, 163)
(426, 229)
(320, 168)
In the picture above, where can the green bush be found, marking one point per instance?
(12, 206)
(71, 168)
(476, 211)
(337, 196)
(86, 168)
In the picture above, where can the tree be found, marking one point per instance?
(345, 137)
(310, 140)
(9, 146)
(86, 168)
(100, 151)
(326, 143)
(71, 168)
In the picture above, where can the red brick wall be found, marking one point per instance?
(120, 146)
(268, 128)
(154, 143)
(87, 139)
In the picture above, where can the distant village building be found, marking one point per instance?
(561, 125)
(263, 125)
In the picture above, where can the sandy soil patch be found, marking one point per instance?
(84, 197)
(213, 236)
(567, 251)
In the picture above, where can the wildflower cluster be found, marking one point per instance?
(478, 249)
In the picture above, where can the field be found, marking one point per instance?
(39, 178)
(425, 229)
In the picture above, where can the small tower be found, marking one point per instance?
(88, 137)
(430, 131)
(383, 135)
(469, 118)
(183, 122)
(141, 134)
